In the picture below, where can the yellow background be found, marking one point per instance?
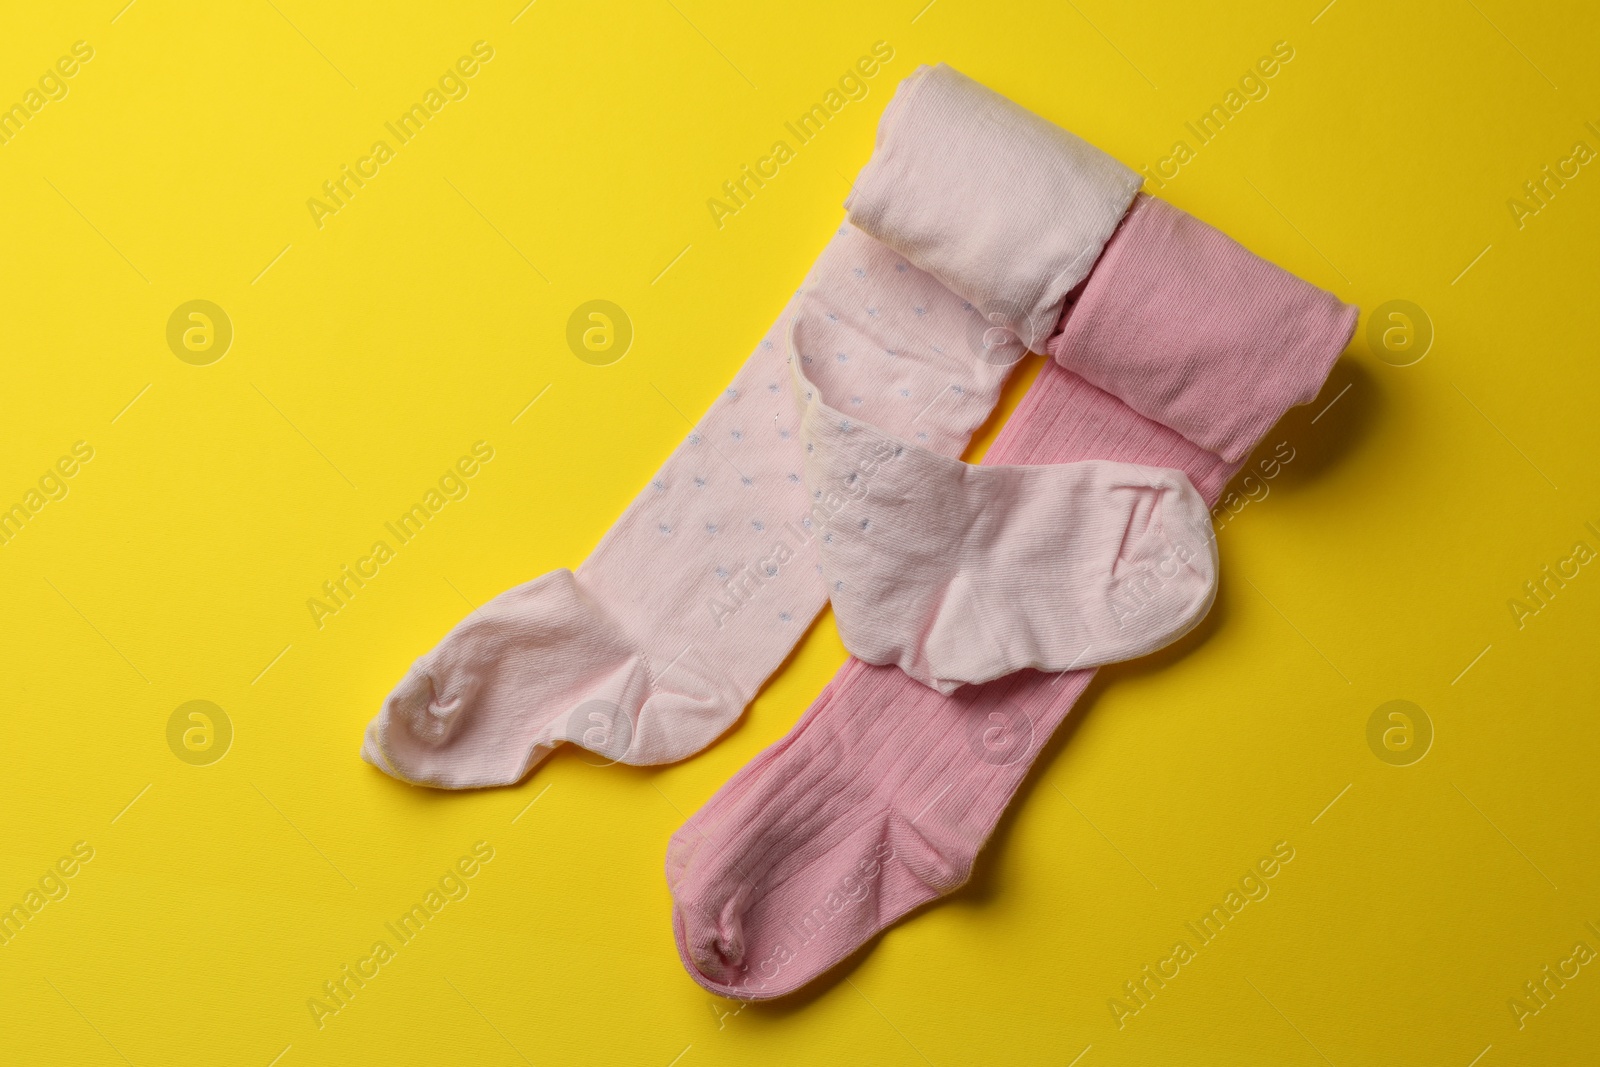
(428, 313)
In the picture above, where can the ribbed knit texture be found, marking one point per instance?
(881, 797)
(1253, 337)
